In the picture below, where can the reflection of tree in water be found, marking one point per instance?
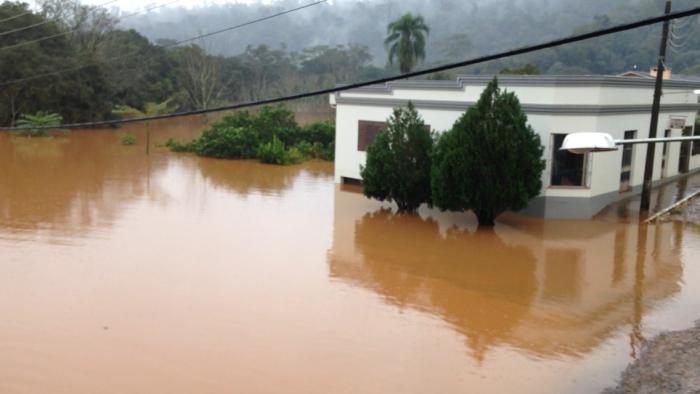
(475, 281)
(66, 184)
(249, 176)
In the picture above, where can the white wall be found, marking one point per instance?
(603, 169)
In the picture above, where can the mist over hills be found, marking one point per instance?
(459, 29)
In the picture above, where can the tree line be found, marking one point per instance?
(113, 69)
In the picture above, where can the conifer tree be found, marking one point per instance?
(490, 161)
(399, 161)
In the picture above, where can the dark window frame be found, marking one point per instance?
(367, 131)
(557, 173)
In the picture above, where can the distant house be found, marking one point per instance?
(574, 186)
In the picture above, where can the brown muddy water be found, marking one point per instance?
(168, 273)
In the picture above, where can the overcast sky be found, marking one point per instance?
(136, 5)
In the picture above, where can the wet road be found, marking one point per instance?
(127, 273)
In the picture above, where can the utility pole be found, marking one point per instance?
(660, 68)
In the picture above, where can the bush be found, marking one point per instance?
(244, 136)
(490, 161)
(319, 132)
(178, 146)
(239, 119)
(398, 162)
(276, 121)
(307, 149)
(294, 156)
(274, 152)
(316, 150)
(227, 143)
(328, 152)
(128, 139)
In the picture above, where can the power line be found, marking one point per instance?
(16, 16)
(470, 62)
(65, 33)
(679, 40)
(51, 73)
(47, 21)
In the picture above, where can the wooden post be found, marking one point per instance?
(651, 147)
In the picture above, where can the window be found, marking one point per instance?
(696, 144)
(568, 169)
(366, 133)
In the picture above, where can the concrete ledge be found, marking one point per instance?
(587, 207)
(530, 80)
(553, 109)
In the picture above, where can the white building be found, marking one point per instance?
(574, 186)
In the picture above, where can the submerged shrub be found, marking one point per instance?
(491, 159)
(176, 146)
(294, 156)
(306, 148)
(328, 152)
(274, 152)
(245, 136)
(399, 160)
(128, 139)
(321, 136)
(320, 132)
(227, 143)
(38, 125)
(276, 121)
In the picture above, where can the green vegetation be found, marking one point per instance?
(38, 125)
(116, 69)
(272, 135)
(490, 161)
(127, 139)
(274, 152)
(399, 161)
(528, 69)
(406, 41)
(126, 75)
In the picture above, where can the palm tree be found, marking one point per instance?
(38, 125)
(150, 109)
(406, 41)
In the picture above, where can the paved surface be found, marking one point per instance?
(668, 364)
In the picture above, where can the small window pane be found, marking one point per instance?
(567, 167)
(366, 133)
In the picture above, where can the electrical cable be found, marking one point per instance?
(470, 62)
(677, 42)
(112, 59)
(65, 33)
(47, 21)
(16, 16)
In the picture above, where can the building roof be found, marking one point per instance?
(676, 82)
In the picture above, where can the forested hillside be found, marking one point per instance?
(459, 28)
(84, 62)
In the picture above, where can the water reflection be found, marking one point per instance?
(248, 177)
(67, 184)
(549, 289)
(491, 284)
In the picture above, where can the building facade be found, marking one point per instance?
(574, 186)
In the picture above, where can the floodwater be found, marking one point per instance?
(167, 273)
